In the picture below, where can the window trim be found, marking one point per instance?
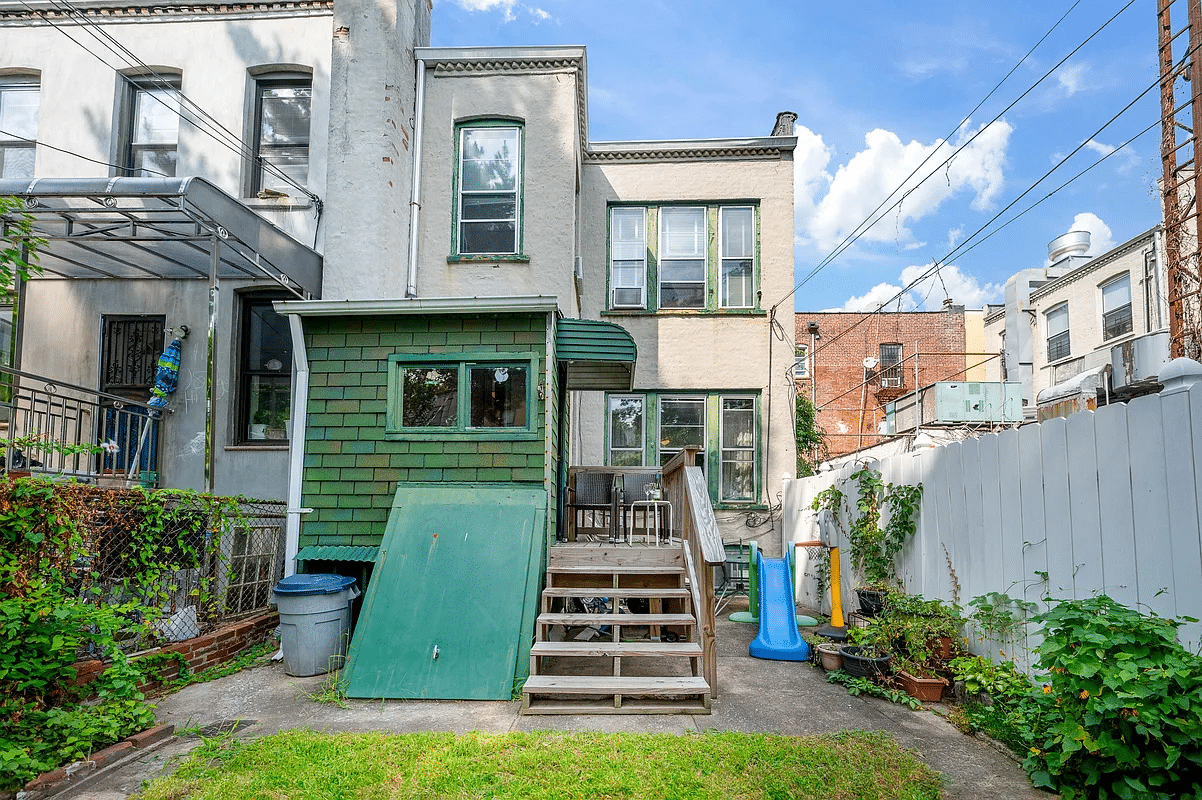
(891, 375)
(613, 287)
(258, 79)
(801, 361)
(241, 430)
(755, 225)
(755, 446)
(1129, 306)
(16, 80)
(518, 253)
(642, 437)
(463, 361)
(706, 259)
(132, 86)
(1066, 333)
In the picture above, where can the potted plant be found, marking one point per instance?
(866, 657)
(874, 548)
(824, 652)
(922, 634)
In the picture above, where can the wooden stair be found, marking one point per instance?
(666, 662)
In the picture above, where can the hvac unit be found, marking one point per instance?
(1134, 364)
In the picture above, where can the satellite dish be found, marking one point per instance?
(870, 363)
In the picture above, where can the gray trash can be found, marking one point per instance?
(315, 621)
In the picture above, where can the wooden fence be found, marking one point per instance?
(1097, 502)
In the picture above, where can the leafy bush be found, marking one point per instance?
(1002, 681)
(1123, 705)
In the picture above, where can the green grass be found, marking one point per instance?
(305, 765)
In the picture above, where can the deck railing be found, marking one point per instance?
(70, 415)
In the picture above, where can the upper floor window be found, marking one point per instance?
(1116, 307)
(150, 126)
(1058, 335)
(891, 366)
(18, 126)
(283, 111)
(671, 257)
(489, 182)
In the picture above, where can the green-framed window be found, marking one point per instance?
(488, 188)
(491, 395)
(644, 429)
(684, 257)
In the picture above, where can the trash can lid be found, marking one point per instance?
(313, 584)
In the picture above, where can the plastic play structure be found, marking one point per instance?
(772, 592)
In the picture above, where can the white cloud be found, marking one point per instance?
(928, 293)
(1101, 239)
(508, 8)
(1072, 78)
(810, 177)
(1099, 148)
(871, 175)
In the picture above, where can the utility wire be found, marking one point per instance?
(861, 229)
(41, 143)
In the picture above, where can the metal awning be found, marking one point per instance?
(173, 228)
(599, 355)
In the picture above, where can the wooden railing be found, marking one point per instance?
(693, 522)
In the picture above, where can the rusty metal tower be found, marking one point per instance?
(1181, 184)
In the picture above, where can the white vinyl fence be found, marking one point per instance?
(1098, 502)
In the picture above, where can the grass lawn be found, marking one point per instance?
(304, 765)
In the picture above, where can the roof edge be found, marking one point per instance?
(418, 305)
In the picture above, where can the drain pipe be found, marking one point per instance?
(415, 196)
(296, 449)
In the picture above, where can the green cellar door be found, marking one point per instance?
(448, 609)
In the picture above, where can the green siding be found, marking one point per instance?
(352, 469)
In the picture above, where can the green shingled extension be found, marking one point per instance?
(337, 553)
(352, 468)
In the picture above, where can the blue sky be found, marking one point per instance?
(877, 86)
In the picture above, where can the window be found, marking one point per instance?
(265, 375)
(489, 189)
(651, 429)
(1057, 324)
(130, 346)
(1116, 307)
(891, 367)
(19, 98)
(737, 479)
(738, 256)
(668, 257)
(801, 361)
(625, 431)
(283, 109)
(628, 257)
(151, 127)
(437, 394)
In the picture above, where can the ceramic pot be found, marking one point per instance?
(829, 656)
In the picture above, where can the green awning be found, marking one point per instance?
(337, 552)
(599, 355)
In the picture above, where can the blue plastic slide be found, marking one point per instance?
(778, 639)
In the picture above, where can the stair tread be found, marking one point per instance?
(617, 569)
(608, 684)
(547, 706)
(618, 619)
(691, 649)
(595, 591)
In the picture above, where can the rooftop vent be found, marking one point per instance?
(1073, 243)
(784, 124)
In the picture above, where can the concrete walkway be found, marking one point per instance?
(754, 696)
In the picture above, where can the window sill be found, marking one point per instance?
(739, 507)
(1113, 340)
(274, 447)
(1060, 361)
(278, 203)
(685, 312)
(504, 434)
(485, 258)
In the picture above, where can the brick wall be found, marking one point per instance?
(849, 413)
(351, 467)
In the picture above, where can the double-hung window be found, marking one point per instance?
(736, 481)
(682, 257)
(283, 112)
(681, 425)
(891, 370)
(1056, 321)
(737, 225)
(626, 430)
(489, 182)
(1116, 307)
(801, 361)
(628, 257)
(151, 126)
(18, 126)
(453, 393)
(265, 376)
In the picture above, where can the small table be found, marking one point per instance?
(651, 514)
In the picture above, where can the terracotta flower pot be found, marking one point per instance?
(829, 656)
(928, 690)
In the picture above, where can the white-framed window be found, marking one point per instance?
(150, 128)
(736, 480)
(1056, 321)
(682, 257)
(19, 104)
(801, 361)
(628, 256)
(736, 226)
(489, 182)
(626, 430)
(1116, 307)
(283, 112)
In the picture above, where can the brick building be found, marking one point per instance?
(863, 361)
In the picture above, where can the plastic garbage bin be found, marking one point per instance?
(315, 621)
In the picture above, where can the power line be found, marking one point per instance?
(41, 143)
(866, 225)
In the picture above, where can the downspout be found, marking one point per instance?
(211, 373)
(415, 196)
(296, 450)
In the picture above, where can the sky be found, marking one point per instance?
(878, 87)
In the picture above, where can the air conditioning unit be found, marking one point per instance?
(891, 380)
(1134, 364)
(628, 298)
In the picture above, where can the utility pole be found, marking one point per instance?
(1181, 186)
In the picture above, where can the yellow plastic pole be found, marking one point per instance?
(837, 620)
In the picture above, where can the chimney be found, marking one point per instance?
(784, 124)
